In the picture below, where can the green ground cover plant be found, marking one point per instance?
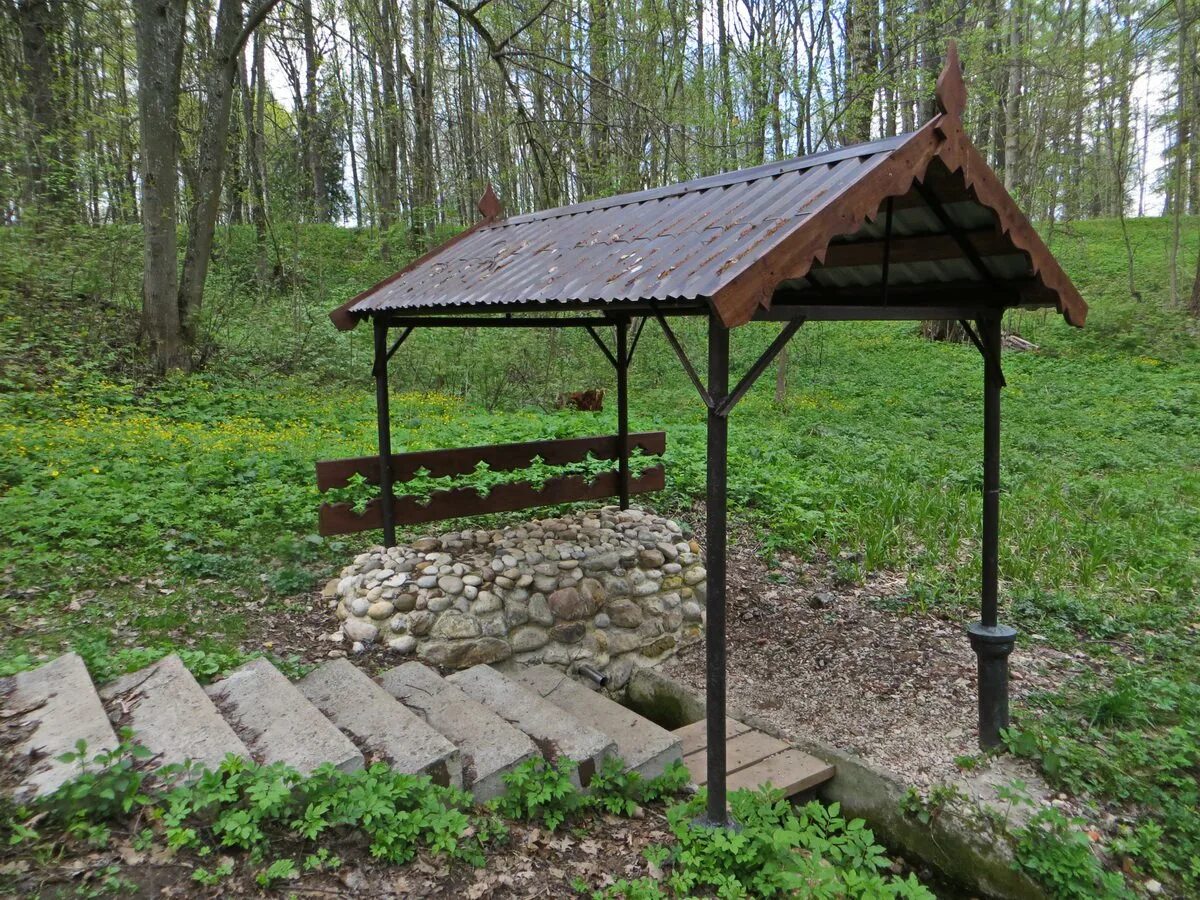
(138, 516)
(1057, 852)
(541, 791)
(778, 850)
(279, 823)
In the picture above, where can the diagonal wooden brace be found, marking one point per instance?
(726, 406)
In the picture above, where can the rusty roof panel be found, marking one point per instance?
(676, 242)
(736, 238)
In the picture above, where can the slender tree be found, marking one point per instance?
(170, 301)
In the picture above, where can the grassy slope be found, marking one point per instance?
(136, 517)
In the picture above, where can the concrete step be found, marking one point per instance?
(645, 747)
(379, 725)
(49, 710)
(171, 715)
(489, 746)
(555, 732)
(278, 722)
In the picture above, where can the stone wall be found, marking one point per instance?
(611, 588)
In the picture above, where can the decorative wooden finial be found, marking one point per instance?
(489, 204)
(950, 92)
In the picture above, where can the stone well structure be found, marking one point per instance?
(608, 587)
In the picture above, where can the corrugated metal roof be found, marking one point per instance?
(733, 239)
(677, 242)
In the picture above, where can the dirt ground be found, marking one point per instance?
(855, 666)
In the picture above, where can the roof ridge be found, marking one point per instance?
(709, 182)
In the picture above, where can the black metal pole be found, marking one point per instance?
(991, 641)
(991, 477)
(385, 433)
(623, 410)
(714, 634)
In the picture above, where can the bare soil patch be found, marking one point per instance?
(858, 666)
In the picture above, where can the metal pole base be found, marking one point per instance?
(992, 645)
(706, 821)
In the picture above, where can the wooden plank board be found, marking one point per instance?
(916, 248)
(791, 770)
(340, 518)
(695, 736)
(747, 749)
(753, 758)
(740, 751)
(336, 473)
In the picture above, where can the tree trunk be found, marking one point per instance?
(158, 30)
(170, 303)
(348, 99)
(887, 49)
(1075, 188)
(125, 144)
(252, 91)
(421, 91)
(41, 23)
(728, 157)
(1012, 105)
(597, 171)
(313, 156)
(861, 65)
(931, 57)
(388, 142)
(1194, 303)
(219, 70)
(942, 330)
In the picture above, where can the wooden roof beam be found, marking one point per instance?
(917, 248)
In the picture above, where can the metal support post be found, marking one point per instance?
(716, 533)
(991, 641)
(385, 433)
(622, 360)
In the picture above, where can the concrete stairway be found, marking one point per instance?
(49, 710)
(384, 729)
(490, 746)
(556, 732)
(646, 748)
(280, 724)
(753, 758)
(467, 730)
(171, 715)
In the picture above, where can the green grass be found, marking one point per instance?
(137, 515)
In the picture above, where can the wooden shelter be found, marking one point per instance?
(913, 227)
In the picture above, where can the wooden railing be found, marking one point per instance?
(340, 518)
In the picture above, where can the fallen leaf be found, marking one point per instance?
(129, 856)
